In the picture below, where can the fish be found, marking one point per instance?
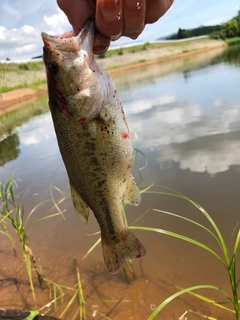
(94, 140)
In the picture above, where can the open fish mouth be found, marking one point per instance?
(68, 42)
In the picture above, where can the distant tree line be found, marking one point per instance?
(228, 29)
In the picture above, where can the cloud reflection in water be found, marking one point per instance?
(194, 122)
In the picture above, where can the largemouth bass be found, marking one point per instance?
(94, 140)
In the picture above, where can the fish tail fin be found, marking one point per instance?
(116, 251)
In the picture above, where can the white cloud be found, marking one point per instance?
(206, 154)
(182, 132)
(217, 103)
(28, 29)
(25, 42)
(55, 19)
(37, 131)
(19, 42)
(136, 106)
(215, 21)
(45, 16)
(57, 23)
(2, 29)
(26, 49)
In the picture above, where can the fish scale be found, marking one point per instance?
(94, 141)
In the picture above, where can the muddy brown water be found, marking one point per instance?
(186, 114)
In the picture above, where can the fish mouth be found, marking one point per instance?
(68, 42)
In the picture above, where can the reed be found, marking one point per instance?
(12, 212)
(229, 260)
(61, 297)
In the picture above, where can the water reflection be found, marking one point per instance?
(213, 154)
(186, 114)
(178, 128)
(9, 149)
(192, 122)
(148, 74)
(229, 56)
(16, 118)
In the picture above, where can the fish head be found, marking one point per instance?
(75, 83)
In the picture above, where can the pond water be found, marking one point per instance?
(186, 115)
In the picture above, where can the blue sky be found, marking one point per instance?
(22, 21)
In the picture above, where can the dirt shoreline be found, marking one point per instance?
(14, 99)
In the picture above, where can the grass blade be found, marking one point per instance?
(217, 304)
(32, 316)
(82, 304)
(69, 304)
(175, 295)
(32, 211)
(44, 218)
(191, 221)
(181, 237)
(92, 248)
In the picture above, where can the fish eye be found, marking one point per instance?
(52, 66)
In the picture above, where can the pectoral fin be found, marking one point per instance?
(132, 195)
(105, 114)
(81, 208)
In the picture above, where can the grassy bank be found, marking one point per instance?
(233, 41)
(21, 75)
(150, 46)
(31, 74)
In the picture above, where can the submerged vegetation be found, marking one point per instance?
(63, 298)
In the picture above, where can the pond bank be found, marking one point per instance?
(117, 63)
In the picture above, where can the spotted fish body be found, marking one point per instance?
(94, 140)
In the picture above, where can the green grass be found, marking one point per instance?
(229, 261)
(233, 41)
(32, 74)
(147, 45)
(27, 66)
(34, 85)
(62, 298)
(21, 75)
(12, 211)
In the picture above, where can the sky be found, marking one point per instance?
(22, 21)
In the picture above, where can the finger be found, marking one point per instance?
(133, 17)
(101, 44)
(109, 18)
(77, 12)
(156, 9)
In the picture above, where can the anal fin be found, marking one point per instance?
(81, 208)
(132, 195)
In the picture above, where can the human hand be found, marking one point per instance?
(113, 18)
